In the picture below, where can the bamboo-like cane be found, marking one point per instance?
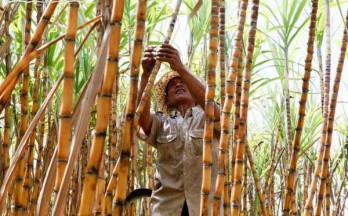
(151, 81)
(245, 187)
(333, 101)
(41, 127)
(222, 52)
(107, 205)
(251, 200)
(222, 59)
(27, 185)
(20, 197)
(128, 132)
(64, 131)
(113, 155)
(103, 107)
(241, 144)
(307, 181)
(209, 110)
(256, 180)
(225, 114)
(6, 138)
(328, 197)
(31, 46)
(74, 191)
(100, 188)
(290, 183)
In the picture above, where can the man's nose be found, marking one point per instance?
(178, 84)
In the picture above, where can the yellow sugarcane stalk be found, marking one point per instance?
(290, 184)
(103, 107)
(209, 108)
(128, 132)
(225, 114)
(64, 131)
(241, 143)
(324, 173)
(20, 197)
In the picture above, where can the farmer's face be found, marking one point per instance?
(177, 93)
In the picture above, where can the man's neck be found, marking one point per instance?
(182, 108)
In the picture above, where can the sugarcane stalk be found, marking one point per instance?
(151, 81)
(41, 127)
(20, 197)
(64, 131)
(209, 110)
(245, 187)
(113, 153)
(107, 203)
(100, 188)
(241, 143)
(290, 183)
(324, 173)
(222, 57)
(27, 184)
(307, 180)
(256, 180)
(128, 132)
(225, 114)
(327, 197)
(6, 139)
(308, 209)
(103, 107)
(237, 99)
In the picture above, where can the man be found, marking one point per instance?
(177, 134)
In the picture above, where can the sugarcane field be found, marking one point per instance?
(178, 107)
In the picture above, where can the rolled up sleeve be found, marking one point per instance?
(151, 138)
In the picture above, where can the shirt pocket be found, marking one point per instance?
(195, 144)
(166, 142)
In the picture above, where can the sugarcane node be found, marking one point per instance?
(116, 23)
(45, 19)
(235, 205)
(225, 131)
(226, 205)
(18, 207)
(64, 116)
(108, 194)
(113, 59)
(18, 179)
(74, 4)
(69, 39)
(105, 95)
(216, 197)
(222, 173)
(203, 193)
(100, 134)
(68, 76)
(207, 165)
(118, 202)
(125, 154)
(92, 171)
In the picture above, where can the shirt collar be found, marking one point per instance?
(189, 113)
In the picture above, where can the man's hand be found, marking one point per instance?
(148, 62)
(167, 53)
